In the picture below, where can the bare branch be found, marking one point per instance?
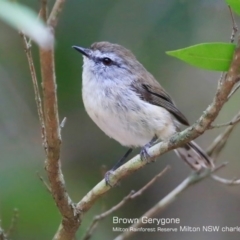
(27, 47)
(132, 195)
(232, 122)
(221, 140)
(230, 182)
(70, 220)
(57, 8)
(217, 146)
(53, 164)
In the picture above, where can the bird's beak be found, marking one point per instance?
(84, 51)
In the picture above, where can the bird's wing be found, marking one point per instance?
(156, 95)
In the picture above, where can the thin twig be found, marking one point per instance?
(234, 26)
(13, 224)
(150, 183)
(38, 100)
(230, 123)
(132, 195)
(217, 168)
(218, 145)
(234, 90)
(163, 203)
(44, 183)
(63, 122)
(222, 77)
(230, 182)
(221, 140)
(53, 17)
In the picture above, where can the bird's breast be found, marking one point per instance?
(123, 116)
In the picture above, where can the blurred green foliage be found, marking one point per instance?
(149, 29)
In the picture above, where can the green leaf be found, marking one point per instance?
(210, 56)
(235, 5)
(27, 21)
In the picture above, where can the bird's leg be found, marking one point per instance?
(117, 165)
(144, 150)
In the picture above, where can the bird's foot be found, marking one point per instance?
(107, 178)
(144, 154)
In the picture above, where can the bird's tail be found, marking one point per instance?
(194, 156)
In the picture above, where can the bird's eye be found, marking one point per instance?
(107, 61)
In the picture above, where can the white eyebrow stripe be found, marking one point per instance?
(99, 54)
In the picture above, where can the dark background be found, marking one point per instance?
(149, 29)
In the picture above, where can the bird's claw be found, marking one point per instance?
(107, 178)
(145, 155)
